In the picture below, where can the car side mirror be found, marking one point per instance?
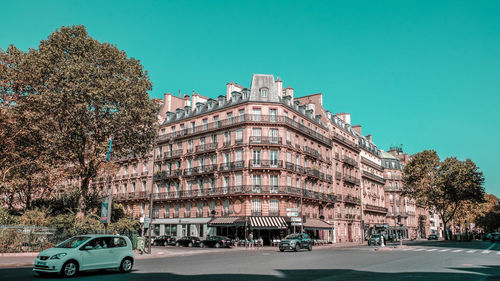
(88, 247)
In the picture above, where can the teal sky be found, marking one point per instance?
(425, 74)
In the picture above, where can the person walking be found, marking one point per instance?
(250, 240)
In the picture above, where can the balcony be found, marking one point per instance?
(372, 164)
(200, 170)
(172, 154)
(350, 216)
(263, 164)
(351, 199)
(312, 152)
(256, 213)
(164, 175)
(230, 191)
(237, 165)
(315, 174)
(265, 140)
(204, 148)
(373, 177)
(329, 178)
(351, 179)
(338, 175)
(376, 209)
(295, 168)
(274, 213)
(247, 118)
(350, 161)
(346, 142)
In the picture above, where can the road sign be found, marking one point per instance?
(292, 209)
(296, 224)
(296, 219)
(292, 214)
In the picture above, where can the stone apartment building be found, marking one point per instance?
(253, 159)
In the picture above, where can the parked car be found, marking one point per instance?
(189, 241)
(86, 252)
(495, 237)
(164, 240)
(432, 237)
(375, 240)
(217, 242)
(296, 242)
(487, 236)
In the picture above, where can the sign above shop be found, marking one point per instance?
(292, 214)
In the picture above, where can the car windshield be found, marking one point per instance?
(73, 242)
(292, 236)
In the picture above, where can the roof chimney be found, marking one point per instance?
(369, 137)
(357, 128)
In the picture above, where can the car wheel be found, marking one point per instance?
(190, 244)
(310, 247)
(369, 244)
(202, 245)
(297, 248)
(282, 250)
(217, 245)
(69, 269)
(126, 265)
(177, 244)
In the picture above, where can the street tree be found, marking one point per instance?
(445, 185)
(89, 92)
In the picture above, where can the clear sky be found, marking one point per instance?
(425, 74)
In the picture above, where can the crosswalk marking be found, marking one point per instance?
(486, 252)
(418, 249)
(498, 253)
(457, 251)
(444, 250)
(431, 250)
(471, 251)
(492, 245)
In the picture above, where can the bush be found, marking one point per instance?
(6, 218)
(36, 217)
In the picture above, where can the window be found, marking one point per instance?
(226, 184)
(239, 135)
(124, 188)
(205, 123)
(216, 121)
(239, 155)
(263, 93)
(256, 207)
(257, 114)
(227, 158)
(230, 117)
(238, 179)
(274, 184)
(256, 184)
(227, 136)
(226, 207)
(133, 187)
(193, 127)
(273, 135)
(167, 211)
(289, 181)
(257, 135)
(288, 157)
(176, 214)
(241, 113)
(188, 209)
(212, 207)
(274, 158)
(200, 209)
(256, 158)
(274, 207)
(143, 186)
(288, 140)
(273, 113)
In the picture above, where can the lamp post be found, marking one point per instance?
(151, 197)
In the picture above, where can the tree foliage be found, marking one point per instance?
(61, 104)
(445, 185)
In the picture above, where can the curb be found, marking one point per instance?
(31, 254)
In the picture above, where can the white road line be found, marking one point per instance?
(498, 253)
(492, 245)
(471, 251)
(444, 250)
(418, 250)
(457, 251)
(486, 252)
(431, 250)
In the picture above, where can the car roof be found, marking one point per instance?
(99, 235)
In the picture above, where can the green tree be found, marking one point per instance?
(443, 185)
(87, 92)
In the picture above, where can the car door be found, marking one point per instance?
(306, 240)
(118, 251)
(96, 254)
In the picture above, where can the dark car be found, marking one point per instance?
(296, 242)
(189, 241)
(217, 242)
(495, 237)
(164, 240)
(375, 240)
(487, 236)
(432, 237)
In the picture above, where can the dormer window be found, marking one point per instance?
(263, 92)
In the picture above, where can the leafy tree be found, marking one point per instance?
(83, 93)
(471, 212)
(490, 221)
(443, 185)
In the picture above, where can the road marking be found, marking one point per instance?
(457, 251)
(418, 250)
(444, 250)
(492, 245)
(486, 252)
(431, 250)
(471, 251)
(498, 253)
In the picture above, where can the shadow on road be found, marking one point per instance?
(486, 272)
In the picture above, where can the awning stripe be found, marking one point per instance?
(268, 222)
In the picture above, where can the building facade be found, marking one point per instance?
(260, 160)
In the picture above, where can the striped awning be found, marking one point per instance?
(268, 222)
(227, 221)
(315, 224)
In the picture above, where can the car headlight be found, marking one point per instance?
(292, 242)
(58, 256)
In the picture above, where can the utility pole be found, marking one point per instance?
(151, 197)
(302, 217)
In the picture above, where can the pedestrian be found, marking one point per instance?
(250, 239)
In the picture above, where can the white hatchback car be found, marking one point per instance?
(86, 252)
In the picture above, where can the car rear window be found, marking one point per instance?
(119, 242)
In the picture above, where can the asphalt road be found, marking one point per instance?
(420, 261)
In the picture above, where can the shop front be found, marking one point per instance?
(319, 229)
(179, 227)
